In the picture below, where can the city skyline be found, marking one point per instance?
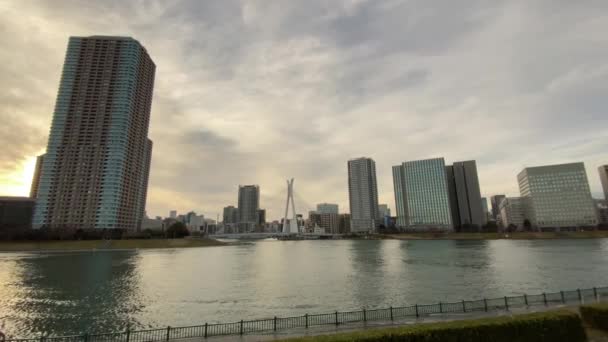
(204, 115)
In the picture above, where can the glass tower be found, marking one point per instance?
(421, 195)
(95, 171)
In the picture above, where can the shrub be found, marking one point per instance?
(558, 325)
(596, 315)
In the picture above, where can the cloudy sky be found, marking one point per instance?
(259, 91)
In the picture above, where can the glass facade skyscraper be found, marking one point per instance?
(96, 167)
(421, 195)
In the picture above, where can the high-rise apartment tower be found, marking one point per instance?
(95, 171)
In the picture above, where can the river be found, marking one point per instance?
(69, 293)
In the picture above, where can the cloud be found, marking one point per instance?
(255, 92)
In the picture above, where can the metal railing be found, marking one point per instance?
(206, 330)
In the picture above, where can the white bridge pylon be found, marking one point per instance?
(290, 226)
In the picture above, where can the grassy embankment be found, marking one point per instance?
(558, 325)
(496, 236)
(71, 245)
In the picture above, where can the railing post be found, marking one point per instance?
(464, 307)
(440, 307)
(485, 304)
(545, 298)
(206, 325)
(306, 316)
(241, 327)
(526, 299)
(563, 299)
(336, 317)
(128, 334)
(417, 314)
(506, 303)
(275, 323)
(580, 296)
(595, 294)
(42, 337)
(364, 315)
(168, 332)
(85, 337)
(391, 313)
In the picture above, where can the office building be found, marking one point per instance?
(495, 201)
(603, 170)
(248, 206)
(328, 222)
(16, 213)
(512, 212)
(327, 208)
(95, 171)
(465, 196)
(173, 214)
(421, 195)
(37, 173)
(231, 215)
(602, 212)
(344, 225)
(261, 217)
(484, 209)
(383, 211)
(557, 196)
(362, 195)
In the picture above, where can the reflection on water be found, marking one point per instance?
(68, 293)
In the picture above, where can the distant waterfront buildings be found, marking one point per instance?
(421, 195)
(557, 196)
(362, 195)
(495, 200)
(261, 217)
(384, 210)
(344, 225)
(96, 167)
(512, 212)
(328, 222)
(248, 206)
(37, 174)
(484, 206)
(173, 214)
(603, 170)
(327, 208)
(465, 196)
(230, 215)
(602, 211)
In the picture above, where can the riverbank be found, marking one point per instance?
(84, 245)
(599, 234)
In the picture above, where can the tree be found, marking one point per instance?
(177, 230)
(527, 225)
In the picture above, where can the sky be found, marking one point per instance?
(255, 92)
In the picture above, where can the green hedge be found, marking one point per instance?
(596, 315)
(546, 326)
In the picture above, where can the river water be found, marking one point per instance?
(69, 293)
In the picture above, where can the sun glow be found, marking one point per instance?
(18, 181)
